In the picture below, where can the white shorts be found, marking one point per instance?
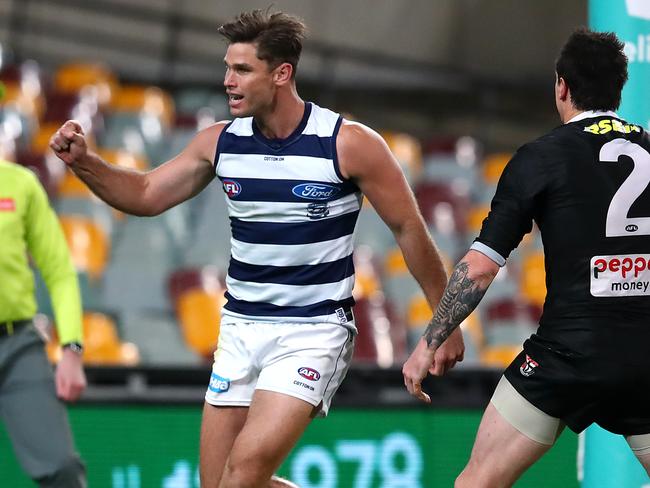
(306, 361)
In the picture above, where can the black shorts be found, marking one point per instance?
(581, 391)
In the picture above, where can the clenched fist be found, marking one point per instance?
(69, 143)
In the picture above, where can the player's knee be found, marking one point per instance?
(71, 473)
(244, 474)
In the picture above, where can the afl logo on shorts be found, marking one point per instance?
(232, 188)
(309, 374)
(528, 367)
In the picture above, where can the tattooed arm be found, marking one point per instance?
(465, 289)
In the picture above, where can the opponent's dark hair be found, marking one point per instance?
(594, 67)
(277, 36)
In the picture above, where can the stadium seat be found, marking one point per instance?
(142, 244)
(60, 107)
(499, 356)
(72, 187)
(102, 345)
(89, 245)
(198, 296)
(493, 166)
(199, 315)
(150, 100)
(533, 278)
(158, 337)
(507, 324)
(380, 341)
(475, 218)
(88, 207)
(444, 206)
(123, 158)
(72, 77)
(408, 151)
(206, 278)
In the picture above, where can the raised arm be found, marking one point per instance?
(468, 283)
(365, 157)
(134, 192)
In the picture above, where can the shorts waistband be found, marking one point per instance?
(10, 327)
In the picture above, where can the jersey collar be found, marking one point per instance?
(590, 114)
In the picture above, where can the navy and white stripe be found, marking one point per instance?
(292, 218)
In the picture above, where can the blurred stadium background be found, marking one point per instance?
(455, 86)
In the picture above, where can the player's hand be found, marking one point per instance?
(70, 377)
(449, 353)
(69, 143)
(415, 369)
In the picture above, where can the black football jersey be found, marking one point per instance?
(585, 185)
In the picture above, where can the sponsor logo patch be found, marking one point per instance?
(309, 373)
(528, 367)
(317, 210)
(315, 191)
(624, 275)
(7, 205)
(218, 384)
(232, 188)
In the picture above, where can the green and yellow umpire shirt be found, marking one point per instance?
(28, 225)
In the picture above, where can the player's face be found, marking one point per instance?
(249, 81)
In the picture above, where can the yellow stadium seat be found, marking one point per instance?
(89, 245)
(493, 166)
(199, 315)
(151, 100)
(102, 345)
(123, 158)
(419, 312)
(72, 77)
(475, 218)
(394, 263)
(71, 186)
(499, 356)
(533, 278)
(407, 150)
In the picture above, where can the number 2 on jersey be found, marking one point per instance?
(618, 223)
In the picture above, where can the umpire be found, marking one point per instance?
(30, 395)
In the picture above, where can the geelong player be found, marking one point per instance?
(293, 174)
(584, 184)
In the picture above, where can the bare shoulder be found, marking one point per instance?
(204, 143)
(359, 147)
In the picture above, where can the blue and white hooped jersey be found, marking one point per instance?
(292, 216)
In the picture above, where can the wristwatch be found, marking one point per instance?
(75, 347)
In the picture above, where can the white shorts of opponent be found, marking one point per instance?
(303, 360)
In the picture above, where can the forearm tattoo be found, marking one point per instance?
(460, 298)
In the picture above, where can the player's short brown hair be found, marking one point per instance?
(594, 67)
(278, 36)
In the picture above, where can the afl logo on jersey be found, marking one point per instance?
(309, 374)
(232, 188)
(631, 227)
(315, 191)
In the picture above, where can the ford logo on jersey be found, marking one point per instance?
(315, 191)
(232, 188)
(309, 374)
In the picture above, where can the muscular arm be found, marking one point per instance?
(135, 192)
(366, 158)
(468, 283)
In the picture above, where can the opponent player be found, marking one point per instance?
(293, 174)
(584, 184)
